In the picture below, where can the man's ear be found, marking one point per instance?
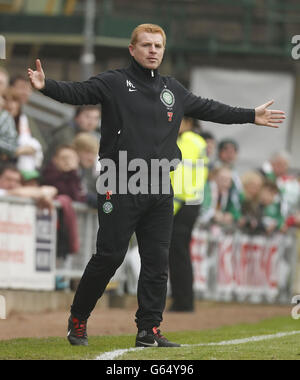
(131, 50)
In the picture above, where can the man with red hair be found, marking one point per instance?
(141, 116)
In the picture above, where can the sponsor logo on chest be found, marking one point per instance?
(130, 86)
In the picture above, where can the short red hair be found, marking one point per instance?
(148, 28)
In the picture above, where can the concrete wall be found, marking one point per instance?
(36, 302)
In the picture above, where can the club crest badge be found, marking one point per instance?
(108, 207)
(167, 97)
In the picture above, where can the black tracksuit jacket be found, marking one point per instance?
(142, 110)
(141, 114)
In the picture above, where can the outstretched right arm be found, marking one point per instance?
(75, 93)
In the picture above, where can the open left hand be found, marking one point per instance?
(268, 118)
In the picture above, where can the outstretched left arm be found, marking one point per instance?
(217, 112)
(268, 118)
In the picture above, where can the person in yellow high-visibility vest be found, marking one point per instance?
(188, 182)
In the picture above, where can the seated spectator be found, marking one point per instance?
(252, 185)
(23, 90)
(10, 178)
(277, 171)
(210, 147)
(11, 185)
(87, 148)
(12, 103)
(221, 202)
(62, 172)
(8, 135)
(271, 218)
(31, 178)
(228, 150)
(87, 120)
(29, 154)
(22, 86)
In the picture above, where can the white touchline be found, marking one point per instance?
(115, 354)
(245, 340)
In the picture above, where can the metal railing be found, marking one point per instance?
(232, 265)
(87, 221)
(41, 233)
(229, 265)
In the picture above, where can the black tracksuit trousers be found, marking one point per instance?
(150, 217)
(181, 270)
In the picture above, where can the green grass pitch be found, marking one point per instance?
(284, 348)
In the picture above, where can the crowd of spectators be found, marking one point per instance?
(265, 199)
(61, 169)
(66, 161)
(64, 168)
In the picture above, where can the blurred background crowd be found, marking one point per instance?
(263, 199)
(66, 162)
(62, 168)
(260, 200)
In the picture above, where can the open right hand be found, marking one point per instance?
(37, 77)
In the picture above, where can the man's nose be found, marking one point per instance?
(153, 49)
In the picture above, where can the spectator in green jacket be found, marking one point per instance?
(221, 202)
(277, 170)
(228, 151)
(252, 182)
(271, 218)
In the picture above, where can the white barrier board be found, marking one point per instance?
(26, 257)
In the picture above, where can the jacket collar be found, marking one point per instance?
(141, 72)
